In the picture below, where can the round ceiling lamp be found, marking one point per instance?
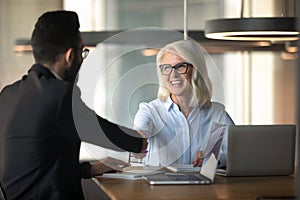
(252, 29)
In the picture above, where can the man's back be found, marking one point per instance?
(39, 159)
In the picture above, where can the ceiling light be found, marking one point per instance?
(252, 29)
(22, 45)
(288, 56)
(150, 52)
(91, 39)
(291, 46)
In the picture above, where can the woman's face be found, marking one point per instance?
(178, 84)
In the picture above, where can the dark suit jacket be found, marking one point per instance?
(40, 140)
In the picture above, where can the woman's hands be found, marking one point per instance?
(198, 158)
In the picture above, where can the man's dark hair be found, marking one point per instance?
(53, 34)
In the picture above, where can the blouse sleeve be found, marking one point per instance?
(143, 120)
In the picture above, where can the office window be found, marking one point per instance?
(253, 92)
(110, 98)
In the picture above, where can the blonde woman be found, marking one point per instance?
(178, 123)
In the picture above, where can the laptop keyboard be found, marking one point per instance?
(183, 177)
(174, 177)
(170, 178)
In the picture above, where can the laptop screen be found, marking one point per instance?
(260, 150)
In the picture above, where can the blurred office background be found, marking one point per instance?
(259, 85)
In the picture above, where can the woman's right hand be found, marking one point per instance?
(198, 159)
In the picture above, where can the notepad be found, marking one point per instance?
(123, 175)
(183, 168)
(133, 174)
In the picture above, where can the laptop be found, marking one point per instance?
(207, 171)
(260, 150)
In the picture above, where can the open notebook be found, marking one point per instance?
(207, 172)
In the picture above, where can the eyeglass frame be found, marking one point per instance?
(186, 64)
(84, 52)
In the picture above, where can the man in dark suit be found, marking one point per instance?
(39, 137)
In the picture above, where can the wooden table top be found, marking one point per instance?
(222, 188)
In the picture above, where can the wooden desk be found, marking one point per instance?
(222, 188)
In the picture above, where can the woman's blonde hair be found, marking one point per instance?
(191, 52)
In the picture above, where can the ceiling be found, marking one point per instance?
(212, 46)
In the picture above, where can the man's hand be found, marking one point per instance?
(143, 152)
(139, 155)
(107, 164)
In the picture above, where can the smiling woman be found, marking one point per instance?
(177, 81)
(179, 123)
(197, 76)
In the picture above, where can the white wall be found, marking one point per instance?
(17, 19)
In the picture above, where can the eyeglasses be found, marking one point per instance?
(181, 68)
(84, 52)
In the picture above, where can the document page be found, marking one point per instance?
(209, 168)
(213, 146)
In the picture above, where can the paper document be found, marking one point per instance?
(209, 168)
(213, 146)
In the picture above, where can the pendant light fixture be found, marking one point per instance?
(185, 31)
(252, 29)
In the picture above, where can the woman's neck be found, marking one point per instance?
(184, 104)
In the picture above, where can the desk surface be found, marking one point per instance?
(222, 188)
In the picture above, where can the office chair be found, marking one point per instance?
(2, 196)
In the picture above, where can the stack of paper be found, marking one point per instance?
(134, 173)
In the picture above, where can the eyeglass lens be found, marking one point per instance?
(181, 68)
